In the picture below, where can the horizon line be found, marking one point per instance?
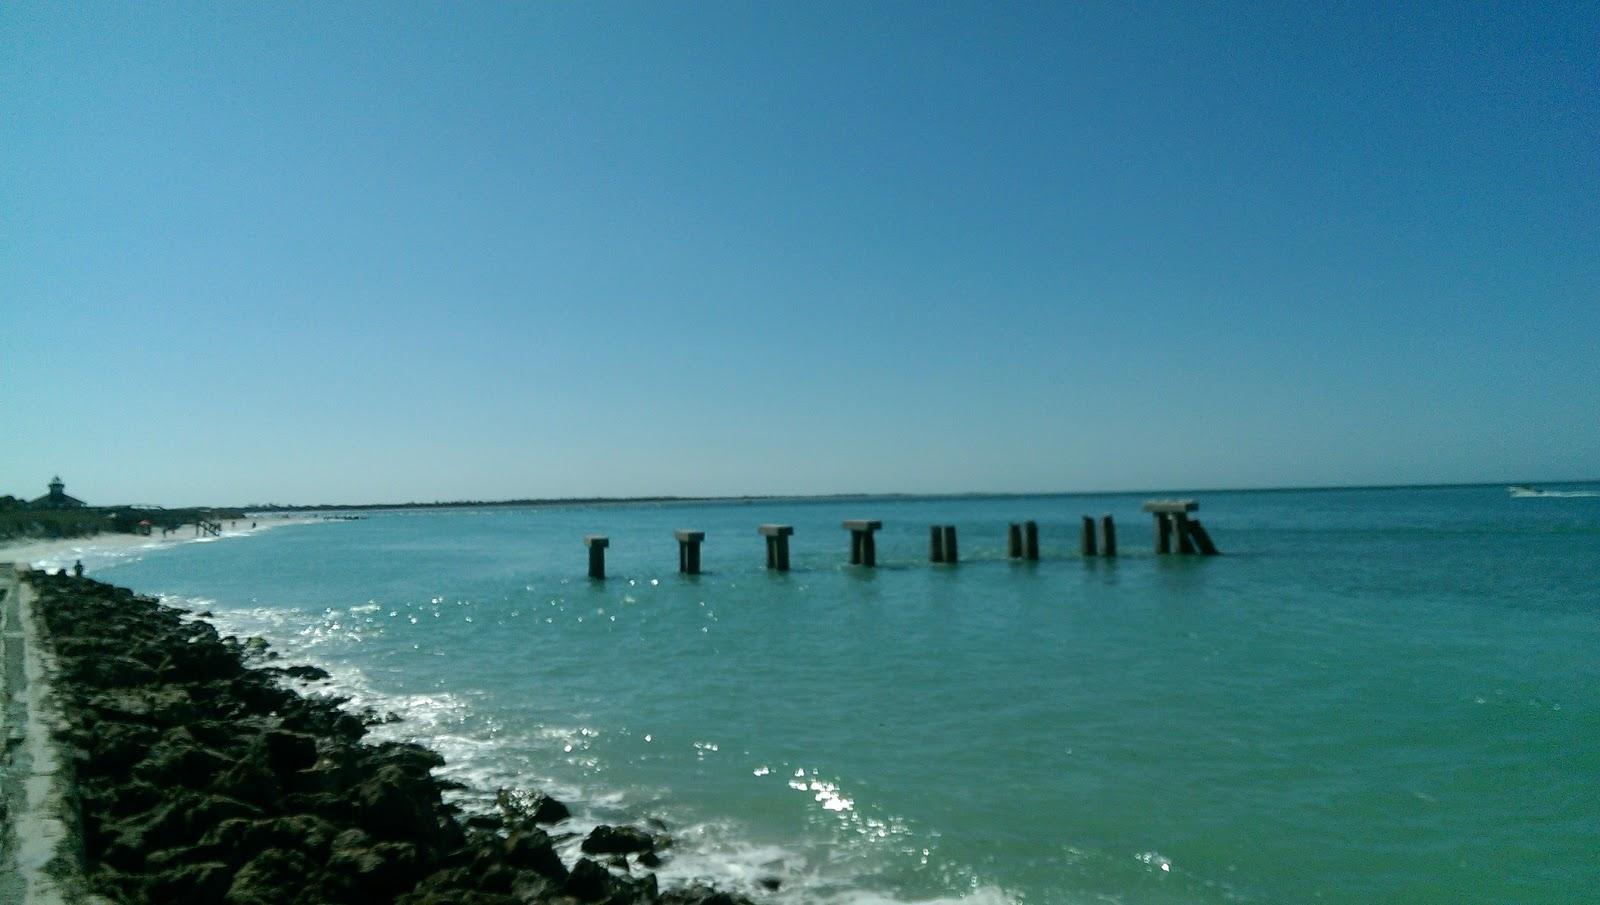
(974, 494)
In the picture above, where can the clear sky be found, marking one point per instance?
(345, 253)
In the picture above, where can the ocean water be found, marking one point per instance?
(1385, 695)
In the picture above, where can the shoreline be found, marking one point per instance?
(61, 552)
(204, 776)
(876, 495)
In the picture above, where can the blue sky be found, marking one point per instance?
(346, 253)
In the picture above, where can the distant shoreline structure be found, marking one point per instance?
(552, 502)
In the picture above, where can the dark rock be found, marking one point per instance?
(415, 760)
(377, 871)
(306, 833)
(589, 882)
(127, 799)
(486, 822)
(532, 850)
(335, 805)
(698, 894)
(249, 780)
(351, 839)
(210, 810)
(618, 840)
(522, 807)
(454, 886)
(495, 878)
(171, 858)
(116, 747)
(218, 734)
(229, 841)
(161, 706)
(532, 886)
(304, 673)
(393, 804)
(178, 822)
(203, 883)
(198, 662)
(267, 876)
(288, 752)
(649, 859)
(178, 759)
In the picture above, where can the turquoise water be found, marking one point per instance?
(1375, 696)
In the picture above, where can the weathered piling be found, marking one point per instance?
(951, 554)
(1201, 538)
(777, 545)
(1014, 541)
(1030, 541)
(1108, 535)
(689, 550)
(1180, 533)
(597, 544)
(1087, 546)
(1161, 511)
(936, 543)
(1172, 523)
(863, 549)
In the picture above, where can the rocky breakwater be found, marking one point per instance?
(205, 780)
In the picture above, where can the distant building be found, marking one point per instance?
(57, 498)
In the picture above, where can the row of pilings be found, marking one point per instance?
(1175, 531)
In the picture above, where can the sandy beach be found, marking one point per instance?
(51, 554)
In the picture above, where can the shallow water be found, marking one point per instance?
(1376, 695)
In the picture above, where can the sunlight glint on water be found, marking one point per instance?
(1375, 695)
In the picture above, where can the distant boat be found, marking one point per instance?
(1524, 490)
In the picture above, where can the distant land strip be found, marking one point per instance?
(828, 497)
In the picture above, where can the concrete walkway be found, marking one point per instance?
(41, 852)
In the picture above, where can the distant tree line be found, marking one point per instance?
(476, 504)
(19, 520)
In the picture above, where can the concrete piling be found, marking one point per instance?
(950, 554)
(1014, 541)
(1180, 531)
(1173, 524)
(1108, 535)
(689, 550)
(1030, 541)
(863, 549)
(1087, 546)
(936, 543)
(597, 544)
(777, 545)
